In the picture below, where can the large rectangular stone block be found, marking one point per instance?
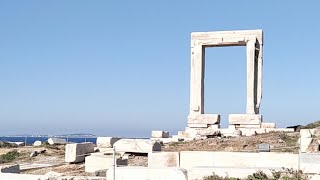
(163, 159)
(277, 160)
(189, 159)
(76, 152)
(204, 119)
(137, 145)
(102, 162)
(159, 134)
(304, 144)
(234, 159)
(245, 119)
(144, 173)
(309, 163)
(230, 132)
(53, 141)
(106, 142)
(305, 133)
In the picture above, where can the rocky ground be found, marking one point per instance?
(54, 155)
(279, 141)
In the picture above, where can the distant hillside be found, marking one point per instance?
(76, 135)
(312, 125)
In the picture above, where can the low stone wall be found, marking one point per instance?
(9, 176)
(141, 173)
(189, 159)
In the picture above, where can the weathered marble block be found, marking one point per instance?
(53, 141)
(163, 159)
(137, 145)
(245, 119)
(159, 134)
(102, 162)
(37, 143)
(305, 133)
(106, 142)
(204, 119)
(75, 153)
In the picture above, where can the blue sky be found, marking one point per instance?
(122, 67)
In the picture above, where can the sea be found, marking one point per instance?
(31, 140)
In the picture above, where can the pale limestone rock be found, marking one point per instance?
(144, 173)
(305, 133)
(230, 132)
(208, 132)
(309, 163)
(106, 142)
(37, 143)
(163, 159)
(204, 119)
(105, 150)
(159, 134)
(10, 168)
(180, 138)
(187, 134)
(189, 159)
(137, 145)
(53, 141)
(245, 119)
(165, 140)
(304, 143)
(279, 129)
(75, 153)
(268, 125)
(102, 162)
(198, 132)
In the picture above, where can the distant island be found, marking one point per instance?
(74, 135)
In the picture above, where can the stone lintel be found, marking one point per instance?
(204, 119)
(226, 38)
(245, 119)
